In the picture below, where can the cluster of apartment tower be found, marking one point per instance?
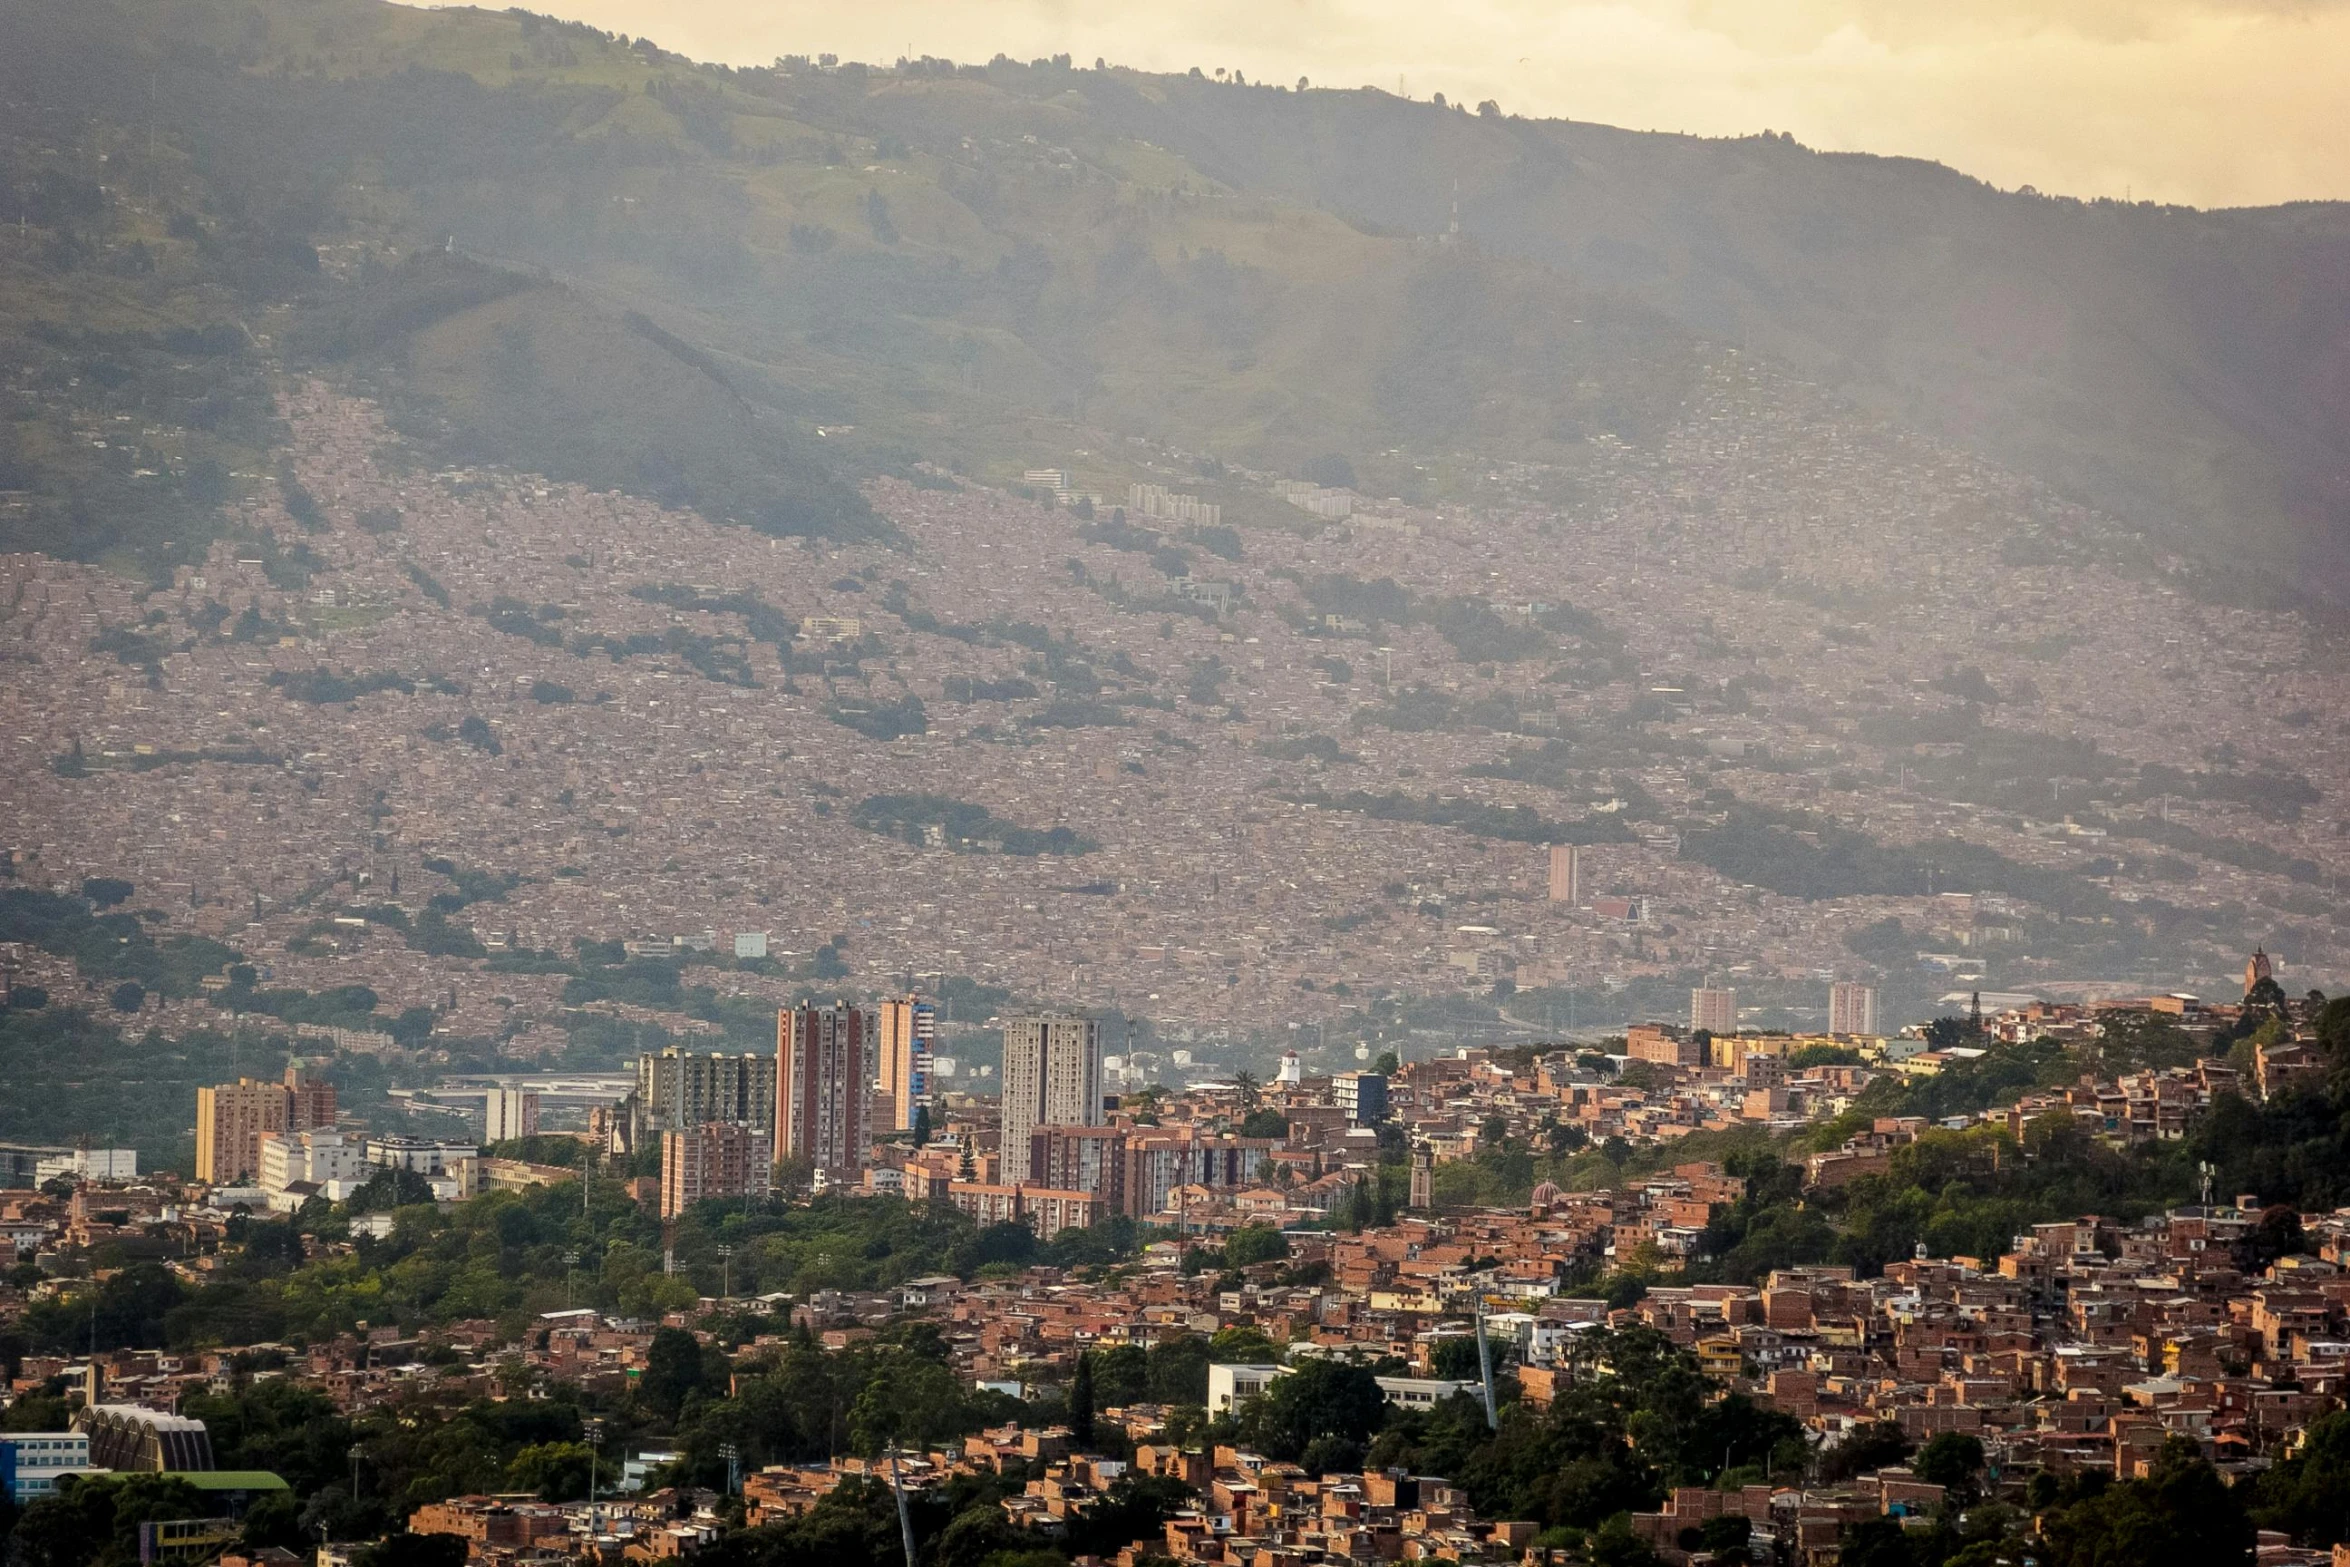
(234, 1119)
(840, 1076)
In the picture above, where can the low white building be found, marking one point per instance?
(1421, 1392)
(1230, 1386)
(453, 1170)
(90, 1164)
(332, 1164)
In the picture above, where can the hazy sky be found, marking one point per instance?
(2214, 102)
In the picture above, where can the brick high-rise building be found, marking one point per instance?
(231, 1120)
(1158, 1161)
(1852, 1008)
(909, 1025)
(1080, 1159)
(824, 1087)
(1052, 1075)
(1566, 874)
(715, 1159)
(310, 1105)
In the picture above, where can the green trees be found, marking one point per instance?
(1264, 1123)
(132, 1309)
(553, 1471)
(1121, 1375)
(1455, 1358)
(1178, 1370)
(1867, 1448)
(1253, 1243)
(1637, 1417)
(93, 1520)
(2308, 1495)
(1244, 1345)
(279, 1425)
(673, 1370)
(2181, 1515)
(1951, 1460)
(1081, 1403)
(1320, 1400)
(910, 1398)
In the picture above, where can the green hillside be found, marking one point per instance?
(742, 290)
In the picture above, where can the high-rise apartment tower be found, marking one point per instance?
(824, 1087)
(909, 1026)
(1052, 1075)
(1715, 1011)
(1852, 1008)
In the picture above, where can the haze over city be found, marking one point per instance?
(1149, 786)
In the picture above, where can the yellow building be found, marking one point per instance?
(230, 1123)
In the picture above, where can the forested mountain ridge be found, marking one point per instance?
(968, 263)
(2189, 371)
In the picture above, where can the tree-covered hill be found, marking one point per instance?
(738, 289)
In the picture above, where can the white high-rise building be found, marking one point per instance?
(508, 1113)
(1715, 1011)
(1852, 1008)
(1052, 1075)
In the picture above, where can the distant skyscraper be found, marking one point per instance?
(1052, 1075)
(230, 1122)
(719, 1159)
(824, 1087)
(909, 1026)
(508, 1113)
(1715, 1011)
(1852, 1008)
(1566, 874)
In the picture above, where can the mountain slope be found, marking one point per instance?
(980, 265)
(2183, 369)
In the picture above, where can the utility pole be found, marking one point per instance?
(905, 1521)
(1485, 1370)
